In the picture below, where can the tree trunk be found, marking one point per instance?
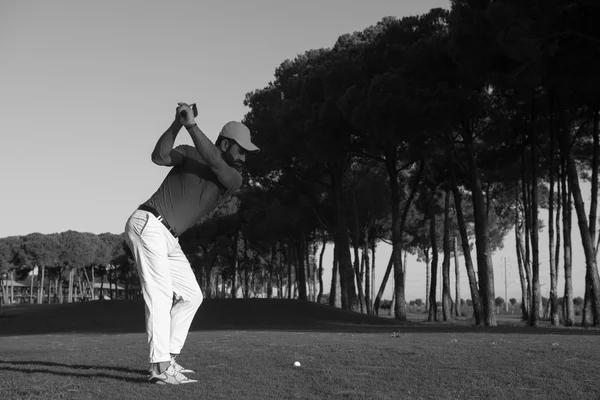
(80, 287)
(398, 223)
(590, 316)
(41, 286)
(377, 304)
(592, 278)
(373, 244)
(393, 301)
(110, 281)
(87, 279)
(76, 286)
(333, 292)
(525, 305)
(427, 278)
(320, 295)
(216, 276)
(234, 265)
(31, 286)
(569, 314)
(363, 279)
(289, 271)
(315, 271)
(338, 299)
(457, 306)
(208, 290)
(280, 293)
(280, 271)
(342, 240)
(12, 287)
(60, 287)
(404, 267)
(365, 253)
(113, 282)
(594, 190)
(434, 263)
(5, 291)
(102, 283)
(309, 273)
(482, 238)
(271, 268)
(246, 291)
(93, 283)
(301, 279)
(70, 297)
(527, 230)
(551, 243)
(557, 230)
(355, 237)
(535, 242)
(466, 248)
(50, 290)
(446, 299)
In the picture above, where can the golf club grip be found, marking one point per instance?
(183, 113)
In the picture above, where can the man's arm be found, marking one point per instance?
(163, 153)
(207, 149)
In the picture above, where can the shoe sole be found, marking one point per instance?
(183, 371)
(161, 382)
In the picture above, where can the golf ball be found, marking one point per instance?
(296, 364)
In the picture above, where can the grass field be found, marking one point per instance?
(245, 349)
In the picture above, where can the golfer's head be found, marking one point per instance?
(234, 142)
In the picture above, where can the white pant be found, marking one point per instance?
(165, 275)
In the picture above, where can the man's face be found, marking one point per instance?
(234, 155)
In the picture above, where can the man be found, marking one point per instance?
(201, 177)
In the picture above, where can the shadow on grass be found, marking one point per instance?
(236, 314)
(72, 370)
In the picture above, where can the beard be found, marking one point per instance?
(238, 165)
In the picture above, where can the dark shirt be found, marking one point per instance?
(191, 190)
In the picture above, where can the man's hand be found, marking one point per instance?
(188, 119)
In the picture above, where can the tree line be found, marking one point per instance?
(71, 258)
(438, 134)
(471, 119)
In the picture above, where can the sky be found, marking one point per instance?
(88, 87)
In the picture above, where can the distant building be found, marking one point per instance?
(27, 291)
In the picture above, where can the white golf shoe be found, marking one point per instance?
(169, 377)
(181, 369)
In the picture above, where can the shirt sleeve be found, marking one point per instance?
(185, 149)
(232, 180)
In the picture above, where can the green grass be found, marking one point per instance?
(245, 349)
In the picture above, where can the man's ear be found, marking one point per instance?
(224, 145)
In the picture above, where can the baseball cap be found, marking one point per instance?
(240, 133)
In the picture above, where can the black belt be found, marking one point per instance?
(159, 217)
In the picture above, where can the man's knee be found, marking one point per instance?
(198, 297)
(194, 298)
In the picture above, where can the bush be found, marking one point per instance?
(386, 304)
